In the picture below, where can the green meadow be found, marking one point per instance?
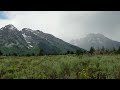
(60, 67)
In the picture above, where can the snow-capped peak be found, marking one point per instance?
(27, 29)
(10, 27)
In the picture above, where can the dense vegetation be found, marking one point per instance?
(40, 52)
(60, 67)
(93, 64)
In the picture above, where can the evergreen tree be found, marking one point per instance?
(28, 55)
(33, 54)
(14, 54)
(102, 50)
(1, 53)
(118, 51)
(78, 52)
(92, 50)
(71, 52)
(68, 52)
(97, 51)
(9, 54)
(41, 52)
(107, 51)
(114, 50)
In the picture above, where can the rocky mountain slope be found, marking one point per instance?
(30, 41)
(96, 41)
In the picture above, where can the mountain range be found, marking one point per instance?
(95, 40)
(28, 41)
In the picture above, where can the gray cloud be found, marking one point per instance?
(67, 25)
(78, 24)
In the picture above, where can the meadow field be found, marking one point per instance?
(60, 67)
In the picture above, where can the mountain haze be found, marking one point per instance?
(96, 41)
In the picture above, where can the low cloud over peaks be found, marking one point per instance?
(66, 25)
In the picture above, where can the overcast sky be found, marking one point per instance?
(66, 25)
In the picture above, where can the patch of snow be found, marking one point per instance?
(30, 46)
(28, 42)
(35, 33)
(9, 45)
(1, 28)
(29, 36)
(28, 29)
(24, 35)
(12, 27)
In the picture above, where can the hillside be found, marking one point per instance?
(31, 41)
(96, 41)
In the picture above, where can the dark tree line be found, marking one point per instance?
(92, 51)
(40, 53)
(104, 51)
(1, 53)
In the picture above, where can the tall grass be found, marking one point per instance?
(60, 67)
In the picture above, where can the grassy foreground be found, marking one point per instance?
(60, 67)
